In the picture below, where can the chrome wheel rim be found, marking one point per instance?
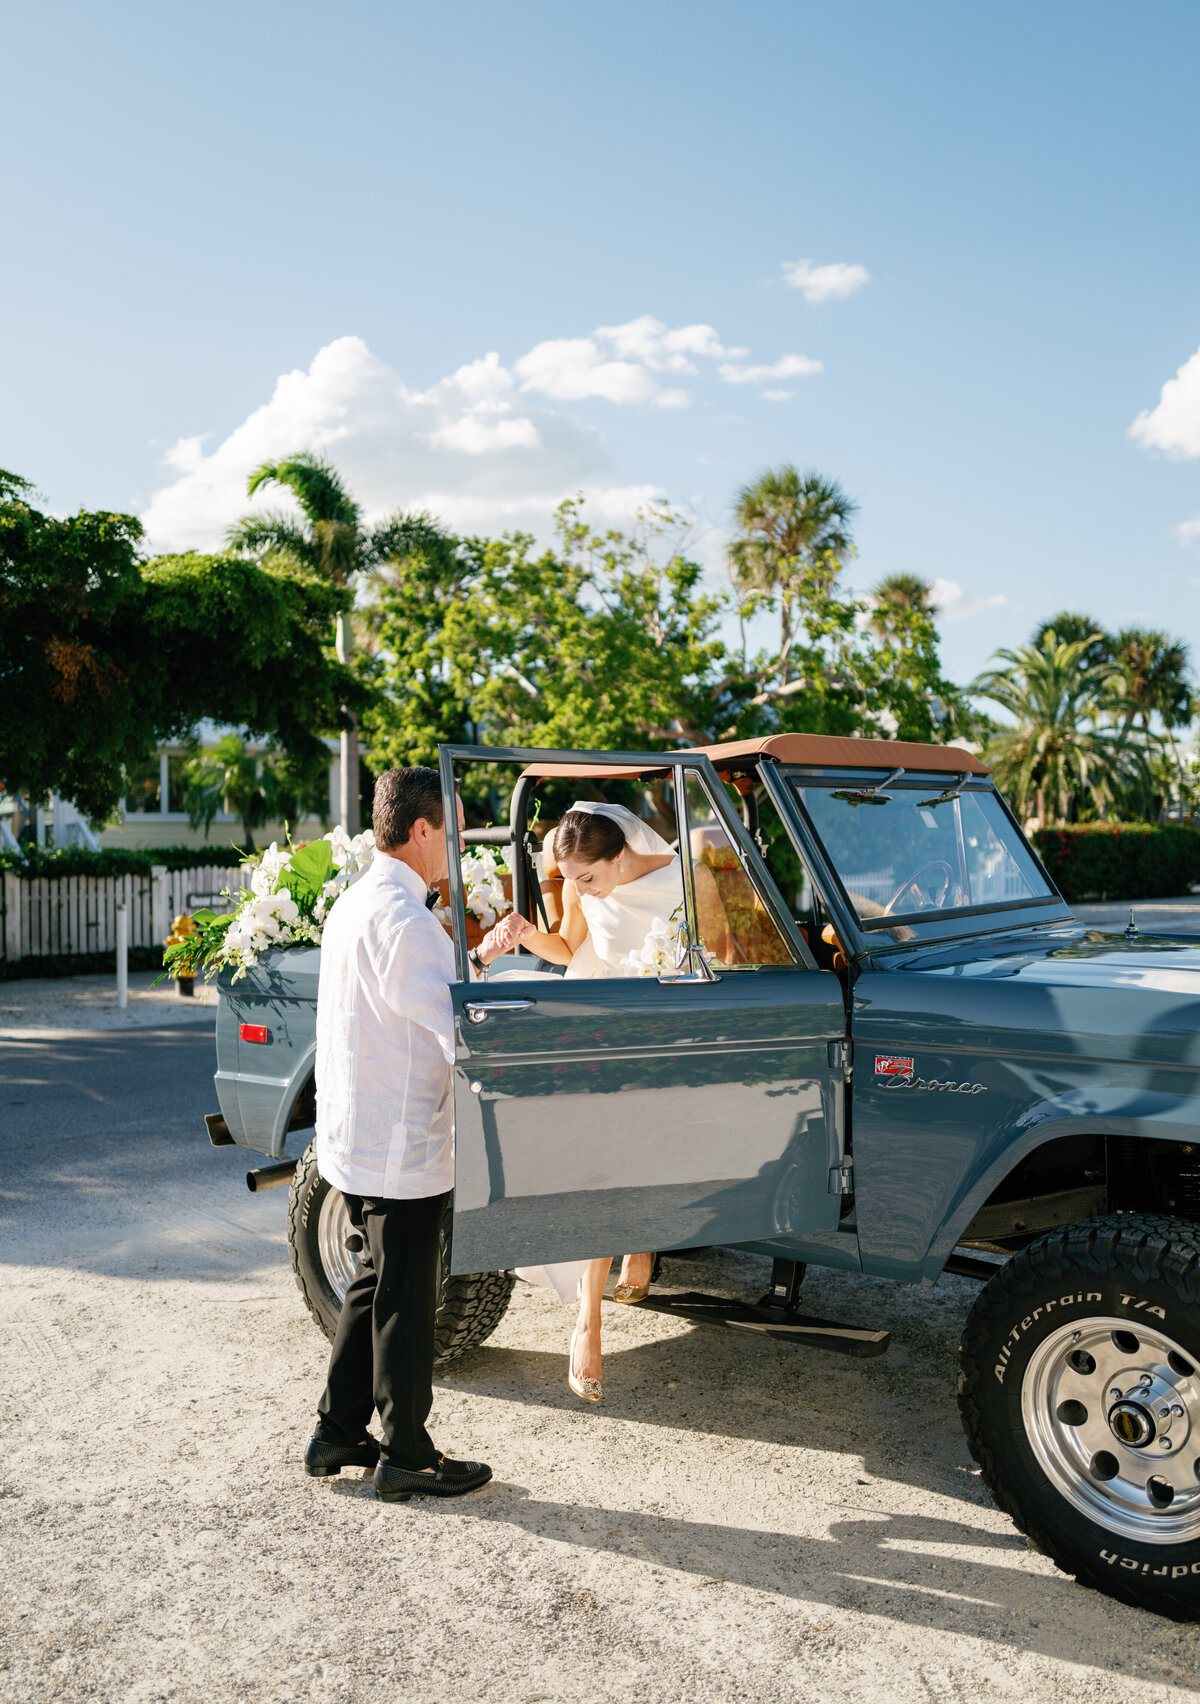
(1111, 1409)
(333, 1232)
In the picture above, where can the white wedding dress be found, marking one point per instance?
(617, 926)
(620, 924)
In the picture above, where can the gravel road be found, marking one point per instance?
(737, 1521)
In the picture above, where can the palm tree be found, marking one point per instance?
(1157, 676)
(275, 787)
(898, 596)
(1068, 626)
(330, 540)
(793, 535)
(1158, 683)
(1059, 747)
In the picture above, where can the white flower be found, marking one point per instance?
(362, 849)
(285, 907)
(658, 954)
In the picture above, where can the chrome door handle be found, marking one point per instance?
(476, 1014)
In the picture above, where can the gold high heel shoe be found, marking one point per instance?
(623, 1292)
(589, 1389)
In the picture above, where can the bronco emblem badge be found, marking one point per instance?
(908, 1081)
(903, 1074)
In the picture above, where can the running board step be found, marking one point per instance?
(802, 1329)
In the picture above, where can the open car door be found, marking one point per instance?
(704, 1105)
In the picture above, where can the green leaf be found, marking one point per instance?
(307, 871)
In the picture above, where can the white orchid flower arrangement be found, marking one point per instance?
(661, 953)
(484, 872)
(291, 892)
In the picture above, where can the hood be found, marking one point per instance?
(1073, 956)
(1063, 991)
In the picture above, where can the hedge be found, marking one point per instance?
(1120, 860)
(116, 860)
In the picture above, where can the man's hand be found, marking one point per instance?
(508, 932)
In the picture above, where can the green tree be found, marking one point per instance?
(1063, 747)
(844, 665)
(900, 674)
(74, 704)
(896, 600)
(425, 695)
(1070, 627)
(1157, 675)
(605, 640)
(104, 656)
(272, 787)
(1158, 683)
(330, 541)
(792, 538)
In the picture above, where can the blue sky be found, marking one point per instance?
(204, 200)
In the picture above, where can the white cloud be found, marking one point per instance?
(475, 436)
(1174, 424)
(825, 283)
(777, 395)
(467, 449)
(954, 604)
(622, 363)
(787, 367)
(488, 422)
(1188, 532)
(188, 453)
(474, 448)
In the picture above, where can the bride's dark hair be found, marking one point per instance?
(588, 838)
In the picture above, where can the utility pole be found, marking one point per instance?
(348, 802)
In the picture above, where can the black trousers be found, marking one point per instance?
(383, 1353)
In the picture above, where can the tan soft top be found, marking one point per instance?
(826, 751)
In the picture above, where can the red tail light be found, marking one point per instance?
(253, 1032)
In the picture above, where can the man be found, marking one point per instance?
(385, 1138)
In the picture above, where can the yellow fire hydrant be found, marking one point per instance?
(181, 928)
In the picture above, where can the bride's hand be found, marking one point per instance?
(507, 933)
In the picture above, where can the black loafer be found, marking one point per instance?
(449, 1479)
(322, 1458)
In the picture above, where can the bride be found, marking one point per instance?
(622, 883)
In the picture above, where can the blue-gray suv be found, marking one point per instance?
(886, 1046)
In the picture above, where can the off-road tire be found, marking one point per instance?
(1140, 1268)
(470, 1306)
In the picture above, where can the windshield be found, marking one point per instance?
(915, 849)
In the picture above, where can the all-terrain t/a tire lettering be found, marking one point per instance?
(470, 1306)
(1079, 1387)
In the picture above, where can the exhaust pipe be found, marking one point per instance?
(270, 1177)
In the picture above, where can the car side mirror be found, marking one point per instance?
(692, 964)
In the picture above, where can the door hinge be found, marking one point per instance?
(841, 1057)
(841, 1180)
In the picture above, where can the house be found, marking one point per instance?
(151, 813)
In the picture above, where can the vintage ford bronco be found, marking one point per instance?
(887, 1047)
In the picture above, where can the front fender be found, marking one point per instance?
(1077, 1112)
(1006, 1067)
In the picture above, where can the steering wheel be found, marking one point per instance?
(913, 882)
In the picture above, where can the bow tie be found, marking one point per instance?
(431, 899)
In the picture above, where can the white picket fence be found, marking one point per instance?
(57, 916)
